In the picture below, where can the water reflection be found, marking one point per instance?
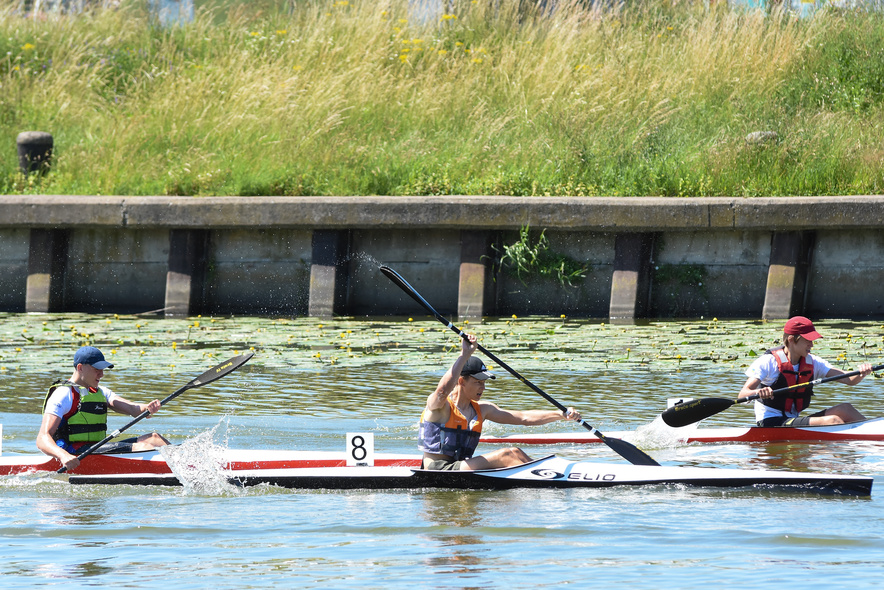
(449, 510)
(87, 569)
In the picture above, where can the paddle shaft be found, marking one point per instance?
(628, 451)
(755, 396)
(207, 377)
(690, 412)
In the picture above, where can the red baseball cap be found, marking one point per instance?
(801, 326)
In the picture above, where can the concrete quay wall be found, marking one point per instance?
(647, 257)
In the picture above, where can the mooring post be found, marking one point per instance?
(186, 274)
(328, 276)
(630, 284)
(790, 254)
(34, 152)
(47, 260)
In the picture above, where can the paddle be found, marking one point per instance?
(212, 374)
(685, 413)
(626, 450)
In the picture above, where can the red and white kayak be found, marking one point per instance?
(233, 460)
(329, 470)
(868, 430)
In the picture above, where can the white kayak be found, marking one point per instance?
(329, 470)
(552, 472)
(868, 430)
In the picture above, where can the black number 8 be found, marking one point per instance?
(359, 451)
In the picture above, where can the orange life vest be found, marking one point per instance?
(456, 438)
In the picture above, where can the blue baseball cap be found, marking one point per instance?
(89, 355)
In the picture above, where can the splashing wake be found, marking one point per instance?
(199, 463)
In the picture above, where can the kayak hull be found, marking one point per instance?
(329, 470)
(548, 472)
(868, 430)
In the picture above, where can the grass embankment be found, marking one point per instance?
(359, 97)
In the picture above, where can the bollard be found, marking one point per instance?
(34, 152)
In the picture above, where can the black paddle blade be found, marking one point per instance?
(222, 369)
(212, 374)
(412, 292)
(684, 413)
(628, 451)
(396, 278)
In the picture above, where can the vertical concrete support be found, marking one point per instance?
(474, 278)
(186, 275)
(328, 272)
(47, 260)
(630, 284)
(790, 254)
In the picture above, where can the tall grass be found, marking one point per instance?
(511, 98)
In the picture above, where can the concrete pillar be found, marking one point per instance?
(328, 272)
(34, 152)
(790, 254)
(473, 292)
(47, 260)
(630, 284)
(186, 275)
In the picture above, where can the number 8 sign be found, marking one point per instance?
(360, 449)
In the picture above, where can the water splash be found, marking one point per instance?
(659, 435)
(199, 462)
(34, 479)
(364, 258)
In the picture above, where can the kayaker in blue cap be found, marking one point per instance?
(452, 421)
(75, 413)
(792, 364)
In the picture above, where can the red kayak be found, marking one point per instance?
(234, 460)
(868, 430)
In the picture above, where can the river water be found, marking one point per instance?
(311, 382)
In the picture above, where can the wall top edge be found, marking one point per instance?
(488, 212)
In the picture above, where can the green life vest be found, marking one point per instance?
(87, 419)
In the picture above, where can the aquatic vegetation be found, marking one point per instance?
(29, 341)
(350, 366)
(532, 257)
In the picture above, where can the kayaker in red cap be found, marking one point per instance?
(791, 364)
